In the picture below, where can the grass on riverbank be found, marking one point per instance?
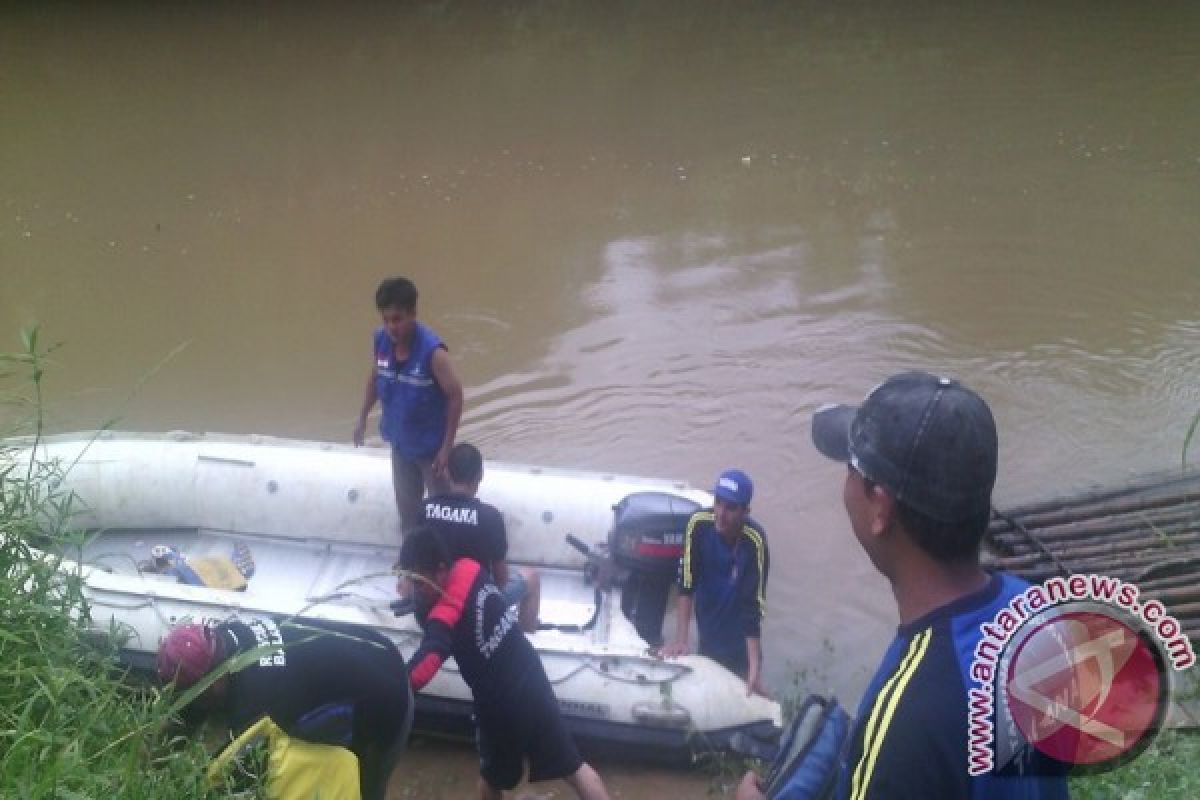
(1187, 440)
(1168, 770)
(70, 725)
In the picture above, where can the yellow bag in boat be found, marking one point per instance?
(215, 572)
(296, 770)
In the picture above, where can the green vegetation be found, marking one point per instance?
(1167, 770)
(1187, 439)
(1170, 767)
(71, 724)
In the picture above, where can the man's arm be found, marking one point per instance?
(438, 642)
(500, 573)
(687, 582)
(370, 395)
(447, 381)
(683, 620)
(434, 649)
(753, 590)
(750, 788)
(754, 666)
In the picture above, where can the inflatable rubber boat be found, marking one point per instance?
(188, 527)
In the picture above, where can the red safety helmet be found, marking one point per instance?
(185, 655)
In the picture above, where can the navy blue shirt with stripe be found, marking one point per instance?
(729, 583)
(910, 737)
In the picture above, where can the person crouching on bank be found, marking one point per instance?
(324, 682)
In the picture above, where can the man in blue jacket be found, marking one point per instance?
(414, 380)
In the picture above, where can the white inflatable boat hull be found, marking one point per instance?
(320, 522)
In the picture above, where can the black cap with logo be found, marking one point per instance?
(930, 441)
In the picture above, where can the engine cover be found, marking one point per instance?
(647, 533)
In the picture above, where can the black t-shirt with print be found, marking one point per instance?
(471, 622)
(315, 664)
(469, 527)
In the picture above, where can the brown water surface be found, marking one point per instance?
(441, 770)
(656, 235)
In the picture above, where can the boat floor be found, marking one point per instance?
(315, 571)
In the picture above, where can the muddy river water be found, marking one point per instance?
(656, 236)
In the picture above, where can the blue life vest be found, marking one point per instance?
(414, 406)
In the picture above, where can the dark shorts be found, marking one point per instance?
(528, 726)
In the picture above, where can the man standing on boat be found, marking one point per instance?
(414, 380)
(471, 528)
(723, 574)
(921, 456)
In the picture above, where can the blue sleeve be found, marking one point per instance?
(766, 573)
(752, 591)
(749, 605)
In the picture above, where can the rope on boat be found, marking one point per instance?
(640, 680)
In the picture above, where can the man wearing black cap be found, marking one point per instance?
(921, 455)
(723, 570)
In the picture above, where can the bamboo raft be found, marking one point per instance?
(1147, 534)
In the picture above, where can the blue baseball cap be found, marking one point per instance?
(734, 486)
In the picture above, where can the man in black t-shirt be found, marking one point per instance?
(517, 716)
(471, 528)
(319, 681)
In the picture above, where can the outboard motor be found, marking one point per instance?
(647, 541)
